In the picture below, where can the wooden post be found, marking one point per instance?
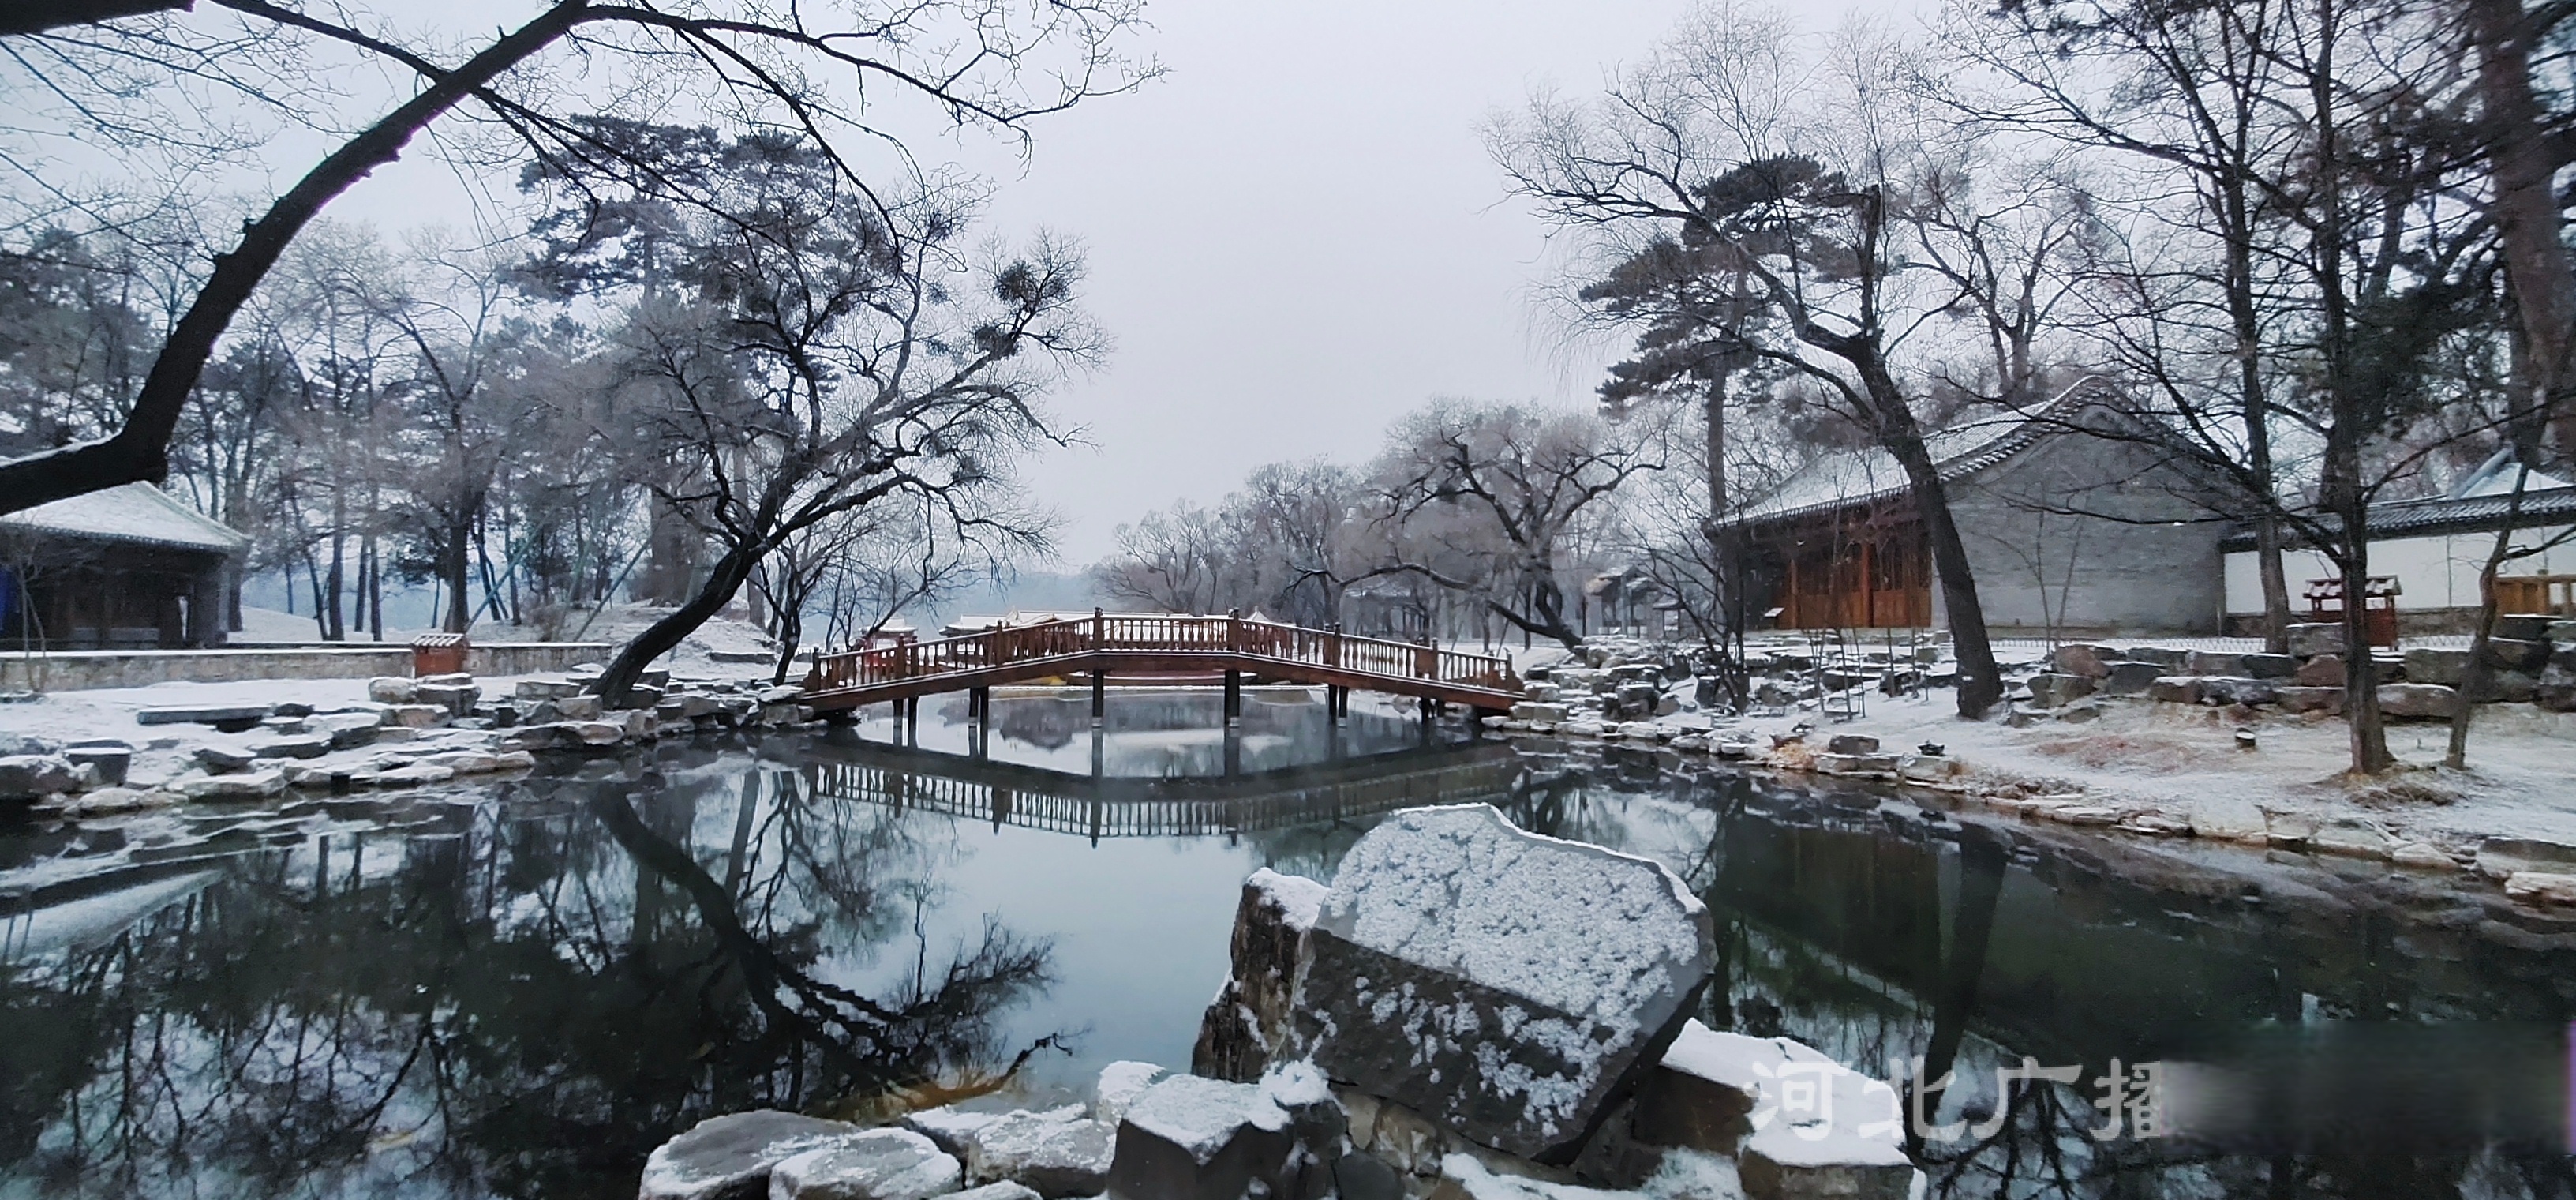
(1233, 697)
(1099, 697)
(1099, 630)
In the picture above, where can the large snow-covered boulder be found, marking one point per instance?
(1504, 984)
(730, 1157)
(1248, 1021)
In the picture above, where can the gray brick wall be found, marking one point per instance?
(2091, 535)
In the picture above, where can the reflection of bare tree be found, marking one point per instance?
(524, 1008)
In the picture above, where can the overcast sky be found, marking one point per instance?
(1295, 235)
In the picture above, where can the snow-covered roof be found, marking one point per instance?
(134, 512)
(1851, 477)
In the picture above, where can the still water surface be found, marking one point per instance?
(520, 989)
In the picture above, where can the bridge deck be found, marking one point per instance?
(1117, 644)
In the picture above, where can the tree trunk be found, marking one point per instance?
(2528, 223)
(1980, 682)
(455, 571)
(2369, 733)
(2478, 676)
(663, 636)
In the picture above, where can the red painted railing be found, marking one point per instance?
(1158, 634)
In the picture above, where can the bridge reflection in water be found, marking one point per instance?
(1108, 806)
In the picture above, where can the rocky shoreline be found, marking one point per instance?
(408, 732)
(1651, 697)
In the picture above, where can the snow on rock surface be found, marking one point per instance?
(875, 1164)
(1201, 1115)
(1501, 983)
(1120, 1084)
(730, 1157)
(1300, 900)
(1579, 928)
(949, 1127)
(1819, 1128)
(1056, 1153)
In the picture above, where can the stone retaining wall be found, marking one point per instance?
(75, 670)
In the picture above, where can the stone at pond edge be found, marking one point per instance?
(1057, 1155)
(1119, 1086)
(730, 1157)
(1249, 1019)
(875, 1164)
(1189, 1138)
(1005, 1190)
(28, 776)
(1506, 985)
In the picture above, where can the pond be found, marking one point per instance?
(520, 989)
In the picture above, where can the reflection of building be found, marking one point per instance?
(2065, 528)
(127, 567)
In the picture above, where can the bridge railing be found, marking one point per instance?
(1156, 633)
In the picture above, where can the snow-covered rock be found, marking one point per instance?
(1249, 1020)
(1501, 983)
(1800, 1124)
(949, 1127)
(730, 1157)
(1120, 1084)
(28, 776)
(875, 1164)
(1189, 1138)
(1054, 1153)
(248, 785)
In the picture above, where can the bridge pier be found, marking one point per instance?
(1099, 698)
(1233, 698)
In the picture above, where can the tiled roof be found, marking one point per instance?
(135, 512)
(2451, 514)
(1847, 478)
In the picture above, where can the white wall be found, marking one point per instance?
(2432, 572)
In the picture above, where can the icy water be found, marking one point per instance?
(519, 989)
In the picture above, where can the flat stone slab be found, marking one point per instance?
(876, 1164)
(1502, 983)
(244, 715)
(730, 1157)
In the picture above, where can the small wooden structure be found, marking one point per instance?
(123, 568)
(2379, 605)
(2554, 595)
(1103, 644)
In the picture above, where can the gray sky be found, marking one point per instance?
(1295, 235)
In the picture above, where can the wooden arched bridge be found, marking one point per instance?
(1106, 644)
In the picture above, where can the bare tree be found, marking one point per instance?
(986, 62)
(837, 349)
(1488, 502)
(1184, 559)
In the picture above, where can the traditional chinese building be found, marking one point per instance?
(2069, 527)
(124, 568)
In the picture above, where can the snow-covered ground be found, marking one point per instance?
(719, 640)
(2184, 760)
